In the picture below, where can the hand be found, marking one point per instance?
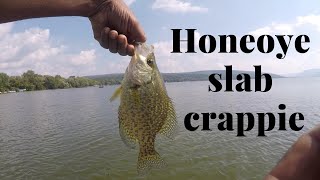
(302, 161)
(115, 27)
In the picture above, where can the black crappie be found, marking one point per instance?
(145, 109)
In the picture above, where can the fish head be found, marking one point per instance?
(142, 66)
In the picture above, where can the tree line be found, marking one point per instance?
(31, 81)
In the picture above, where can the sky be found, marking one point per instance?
(65, 45)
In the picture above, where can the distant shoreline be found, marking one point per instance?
(112, 79)
(30, 81)
(96, 86)
(1, 93)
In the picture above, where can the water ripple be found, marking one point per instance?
(73, 134)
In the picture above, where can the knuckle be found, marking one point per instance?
(96, 37)
(106, 30)
(113, 50)
(104, 44)
(122, 54)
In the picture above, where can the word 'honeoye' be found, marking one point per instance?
(264, 43)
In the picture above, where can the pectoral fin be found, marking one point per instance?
(116, 94)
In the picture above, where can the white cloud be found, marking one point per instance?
(43, 53)
(33, 49)
(274, 28)
(84, 58)
(5, 28)
(177, 6)
(129, 2)
(310, 19)
(289, 28)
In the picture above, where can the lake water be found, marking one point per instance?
(73, 134)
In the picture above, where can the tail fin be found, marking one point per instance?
(147, 162)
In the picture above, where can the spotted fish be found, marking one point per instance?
(145, 108)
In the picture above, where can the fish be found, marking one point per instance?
(145, 108)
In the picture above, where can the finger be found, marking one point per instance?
(130, 50)
(302, 161)
(136, 34)
(104, 39)
(113, 43)
(96, 28)
(122, 45)
(315, 133)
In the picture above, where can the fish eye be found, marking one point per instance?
(149, 61)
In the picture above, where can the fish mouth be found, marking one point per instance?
(138, 78)
(143, 49)
(139, 73)
(135, 86)
(138, 84)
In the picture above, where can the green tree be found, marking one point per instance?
(32, 81)
(60, 82)
(4, 82)
(16, 82)
(49, 82)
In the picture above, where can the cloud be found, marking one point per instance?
(33, 49)
(84, 58)
(310, 19)
(32, 44)
(273, 29)
(129, 2)
(289, 28)
(5, 29)
(177, 6)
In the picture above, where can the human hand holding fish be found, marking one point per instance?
(114, 25)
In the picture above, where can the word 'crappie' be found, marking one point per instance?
(145, 108)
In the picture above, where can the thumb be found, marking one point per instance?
(315, 133)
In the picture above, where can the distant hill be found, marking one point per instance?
(203, 75)
(109, 79)
(307, 73)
